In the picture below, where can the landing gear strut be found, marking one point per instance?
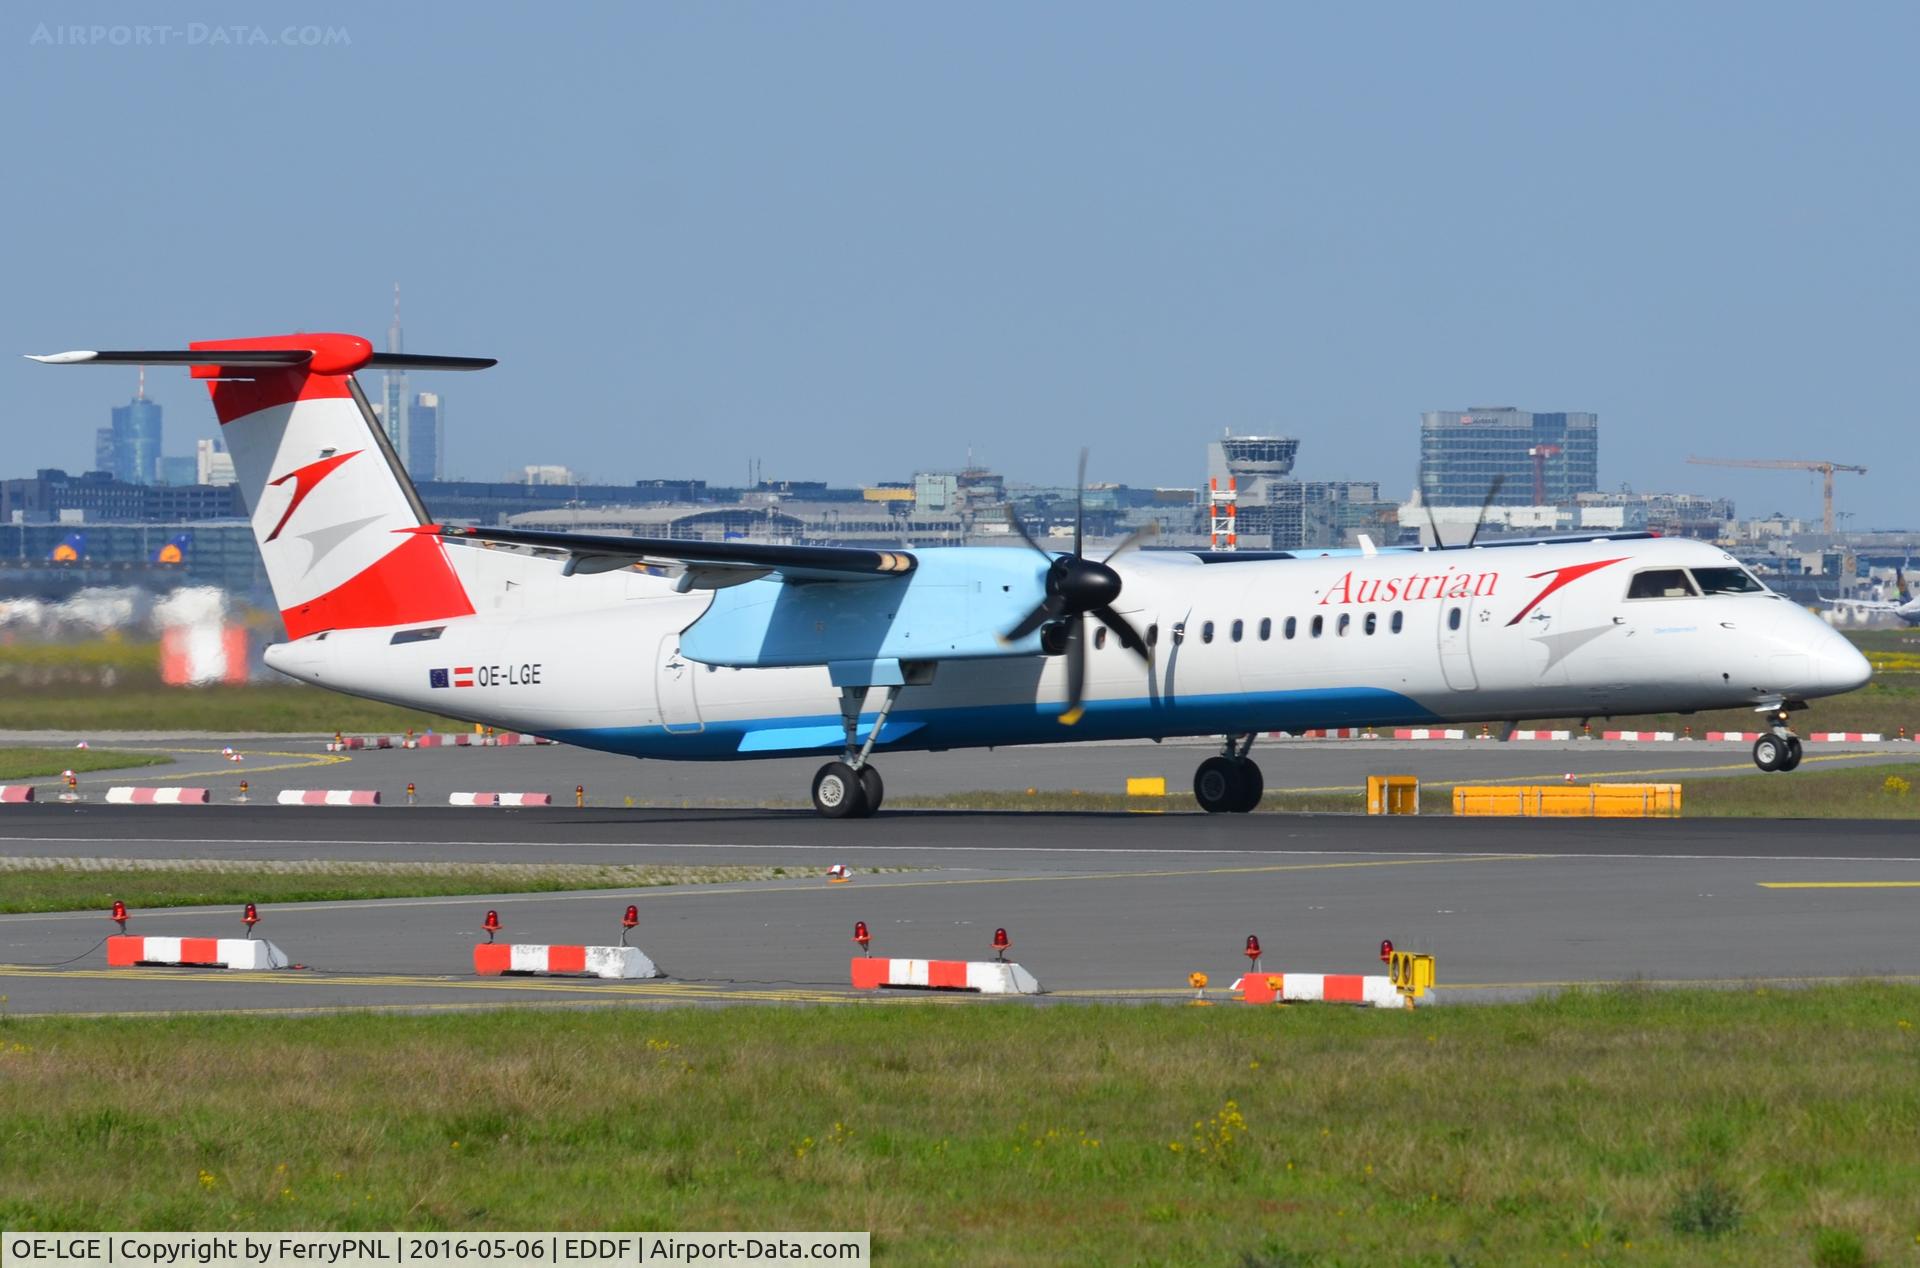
(1229, 783)
(1778, 749)
(849, 788)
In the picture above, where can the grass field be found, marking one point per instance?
(1818, 791)
(1629, 1127)
(45, 884)
(224, 710)
(33, 763)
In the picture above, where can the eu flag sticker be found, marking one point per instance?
(436, 678)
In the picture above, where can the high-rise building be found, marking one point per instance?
(1461, 451)
(393, 391)
(213, 465)
(426, 437)
(136, 439)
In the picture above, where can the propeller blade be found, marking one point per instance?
(1128, 636)
(1076, 669)
(1080, 505)
(1493, 491)
(1048, 610)
(1432, 523)
(1149, 529)
(1013, 521)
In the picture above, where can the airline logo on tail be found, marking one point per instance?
(305, 480)
(72, 549)
(175, 551)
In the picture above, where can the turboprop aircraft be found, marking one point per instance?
(750, 650)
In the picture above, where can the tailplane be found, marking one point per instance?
(323, 485)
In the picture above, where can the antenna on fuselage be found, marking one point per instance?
(1493, 491)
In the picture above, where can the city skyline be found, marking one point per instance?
(825, 247)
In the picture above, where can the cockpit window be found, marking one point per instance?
(1661, 583)
(1727, 581)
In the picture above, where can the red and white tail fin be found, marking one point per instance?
(328, 497)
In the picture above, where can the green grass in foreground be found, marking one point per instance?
(1818, 791)
(1724, 1127)
(32, 763)
(220, 709)
(86, 884)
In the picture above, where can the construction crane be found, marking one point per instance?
(1826, 469)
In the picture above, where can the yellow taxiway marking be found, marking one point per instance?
(240, 769)
(1838, 884)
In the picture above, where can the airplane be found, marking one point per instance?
(754, 650)
(70, 549)
(1905, 608)
(174, 550)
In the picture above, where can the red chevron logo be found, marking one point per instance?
(305, 480)
(1561, 577)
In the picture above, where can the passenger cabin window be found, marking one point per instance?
(1239, 628)
(1206, 632)
(1453, 618)
(1345, 621)
(1319, 623)
(1369, 622)
(1661, 583)
(1100, 638)
(1266, 628)
(1293, 626)
(1727, 581)
(1153, 635)
(1398, 621)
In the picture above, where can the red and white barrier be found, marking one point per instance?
(1372, 990)
(1426, 733)
(1326, 733)
(1638, 737)
(329, 797)
(1541, 735)
(157, 796)
(1733, 737)
(505, 739)
(499, 799)
(1845, 737)
(15, 792)
(987, 977)
(127, 950)
(490, 959)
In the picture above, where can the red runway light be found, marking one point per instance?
(861, 936)
(632, 917)
(491, 924)
(1253, 947)
(251, 916)
(119, 914)
(1001, 943)
(1386, 950)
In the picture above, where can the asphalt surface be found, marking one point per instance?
(1098, 906)
(269, 764)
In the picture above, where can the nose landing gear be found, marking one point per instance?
(1229, 783)
(1779, 749)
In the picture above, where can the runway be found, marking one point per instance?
(1118, 907)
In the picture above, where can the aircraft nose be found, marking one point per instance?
(1838, 665)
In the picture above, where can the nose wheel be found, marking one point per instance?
(1777, 751)
(1230, 783)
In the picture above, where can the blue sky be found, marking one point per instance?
(854, 240)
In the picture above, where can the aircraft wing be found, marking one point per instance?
(709, 565)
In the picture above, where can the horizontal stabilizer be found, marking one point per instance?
(175, 356)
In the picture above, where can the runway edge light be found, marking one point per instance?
(1001, 944)
(628, 920)
(119, 914)
(1253, 951)
(491, 924)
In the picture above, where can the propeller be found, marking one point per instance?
(1076, 587)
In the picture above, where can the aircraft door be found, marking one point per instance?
(1456, 653)
(673, 685)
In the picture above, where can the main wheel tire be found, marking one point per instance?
(1252, 786)
(1768, 752)
(873, 787)
(1792, 758)
(1217, 785)
(838, 792)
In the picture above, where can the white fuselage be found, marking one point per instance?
(1527, 631)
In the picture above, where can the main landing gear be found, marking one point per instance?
(1229, 783)
(849, 788)
(1778, 749)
